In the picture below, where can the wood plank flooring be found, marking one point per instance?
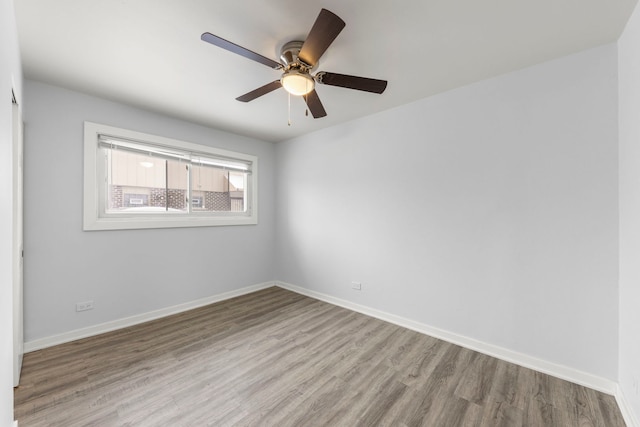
(276, 358)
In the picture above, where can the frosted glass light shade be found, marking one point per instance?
(297, 83)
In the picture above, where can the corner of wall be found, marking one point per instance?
(627, 411)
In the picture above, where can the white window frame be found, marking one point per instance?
(95, 216)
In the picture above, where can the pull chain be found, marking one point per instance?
(289, 121)
(306, 100)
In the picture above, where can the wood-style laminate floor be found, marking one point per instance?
(276, 358)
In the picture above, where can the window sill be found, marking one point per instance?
(128, 223)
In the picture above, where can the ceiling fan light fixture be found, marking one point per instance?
(297, 83)
(298, 59)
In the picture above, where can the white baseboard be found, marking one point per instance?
(566, 373)
(137, 319)
(629, 417)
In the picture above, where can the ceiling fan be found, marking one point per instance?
(298, 60)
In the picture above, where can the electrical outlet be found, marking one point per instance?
(84, 306)
(356, 285)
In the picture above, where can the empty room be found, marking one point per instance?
(284, 213)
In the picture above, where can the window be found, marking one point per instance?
(136, 180)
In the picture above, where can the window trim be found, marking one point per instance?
(94, 219)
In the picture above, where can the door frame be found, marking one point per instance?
(18, 239)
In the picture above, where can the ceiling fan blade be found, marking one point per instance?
(351, 82)
(239, 50)
(263, 90)
(324, 31)
(314, 104)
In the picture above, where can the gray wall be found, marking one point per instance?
(126, 272)
(489, 211)
(10, 77)
(629, 64)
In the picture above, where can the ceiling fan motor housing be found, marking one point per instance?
(289, 57)
(296, 79)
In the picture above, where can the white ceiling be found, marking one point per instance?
(148, 53)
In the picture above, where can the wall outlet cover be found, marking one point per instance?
(84, 306)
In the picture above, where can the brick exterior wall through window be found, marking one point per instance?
(213, 201)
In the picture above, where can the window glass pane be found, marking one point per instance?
(177, 185)
(145, 184)
(215, 189)
(238, 185)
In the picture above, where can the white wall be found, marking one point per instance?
(629, 76)
(10, 76)
(126, 272)
(489, 211)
